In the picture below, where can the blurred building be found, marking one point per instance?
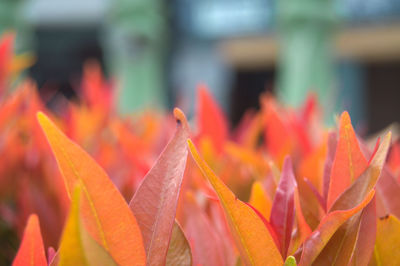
(162, 49)
(366, 42)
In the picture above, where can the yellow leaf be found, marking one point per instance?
(77, 247)
(387, 241)
(260, 200)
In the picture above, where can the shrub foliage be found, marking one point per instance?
(84, 186)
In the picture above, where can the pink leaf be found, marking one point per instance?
(388, 195)
(154, 203)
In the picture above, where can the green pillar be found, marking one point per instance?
(8, 14)
(306, 29)
(136, 56)
(12, 19)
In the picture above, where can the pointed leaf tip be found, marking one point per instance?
(380, 155)
(181, 118)
(364, 184)
(31, 250)
(290, 261)
(349, 162)
(345, 117)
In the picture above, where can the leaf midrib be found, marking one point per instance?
(86, 192)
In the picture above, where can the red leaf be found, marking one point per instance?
(31, 250)
(211, 121)
(349, 161)
(96, 92)
(282, 212)
(6, 54)
(276, 133)
(155, 201)
(299, 128)
(309, 108)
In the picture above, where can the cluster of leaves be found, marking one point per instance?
(279, 189)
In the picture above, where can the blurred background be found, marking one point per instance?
(345, 51)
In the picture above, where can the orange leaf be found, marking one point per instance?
(312, 166)
(31, 251)
(366, 182)
(106, 215)
(310, 204)
(349, 161)
(248, 157)
(366, 236)
(328, 226)
(303, 229)
(350, 202)
(341, 245)
(252, 237)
